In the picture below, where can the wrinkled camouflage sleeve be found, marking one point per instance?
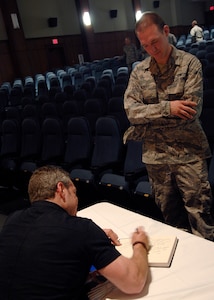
(193, 88)
(138, 112)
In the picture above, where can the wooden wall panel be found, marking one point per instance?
(6, 65)
(35, 57)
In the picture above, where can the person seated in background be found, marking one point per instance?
(196, 32)
(46, 250)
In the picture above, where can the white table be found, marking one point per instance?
(191, 275)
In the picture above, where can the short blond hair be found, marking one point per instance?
(148, 18)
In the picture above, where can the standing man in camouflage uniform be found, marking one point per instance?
(131, 53)
(163, 102)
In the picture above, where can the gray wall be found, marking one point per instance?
(34, 15)
(177, 12)
(100, 15)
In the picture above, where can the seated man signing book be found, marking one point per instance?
(46, 251)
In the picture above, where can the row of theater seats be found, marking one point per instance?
(72, 78)
(47, 109)
(80, 102)
(54, 82)
(55, 113)
(204, 51)
(100, 165)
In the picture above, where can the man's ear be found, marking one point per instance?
(60, 190)
(166, 29)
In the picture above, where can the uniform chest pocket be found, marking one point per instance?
(149, 92)
(177, 87)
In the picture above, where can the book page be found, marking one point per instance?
(160, 254)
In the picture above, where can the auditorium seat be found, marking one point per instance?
(77, 79)
(49, 110)
(206, 34)
(52, 142)
(30, 151)
(208, 77)
(122, 71)
(100, 93)
(110, 73)
(87, 87)
(106, 84)
(118, 90)
(118, 187)
(116, 109)
(106, 156)
(207, 114)
(92, 111)
(92, 81)
(3, 100)
(10, 150)
(210, 57)
(15, 96)
(201, 53)
(70, 109)
(79, 144)
(144, 201)
(80, 96)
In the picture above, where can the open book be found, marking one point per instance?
(161, 252)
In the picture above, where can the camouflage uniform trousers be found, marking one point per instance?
(183, 193)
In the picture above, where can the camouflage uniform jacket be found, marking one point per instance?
(167, 139)
(130, 53)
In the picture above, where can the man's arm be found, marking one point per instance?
(130, 274)
(137, 110)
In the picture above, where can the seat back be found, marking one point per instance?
(133, 162)
(118, 90)
(80, 97)
(92, 81)
(79, 143)
(10, 139)
(209, 76)
(116, 109)
(210, 48)
(206, 34)
(15, 96)
(210, 57)
(206, 117)
(48, 110)
(41, 87)
(30, 111)
(93, 110)
(3, 99)
(10, 152)
(52, 141)
(70, 109)
(106, 84)
(100, 93)
(108, 142)
(30, 139)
